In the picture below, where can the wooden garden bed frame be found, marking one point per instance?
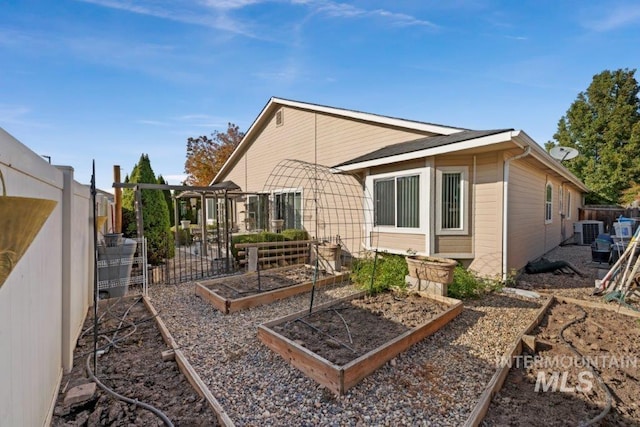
(497, 381)
(230, 305)
(340, 378)
(187, 370)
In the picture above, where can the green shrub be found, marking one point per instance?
(185, 238)
(467, 285)
(390, 272)
(295, 234)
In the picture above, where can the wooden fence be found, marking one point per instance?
(607, 214)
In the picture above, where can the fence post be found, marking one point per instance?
(67, 213)
(252, 259)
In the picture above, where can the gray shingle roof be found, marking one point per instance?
(422, 144)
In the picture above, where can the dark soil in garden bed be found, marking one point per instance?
(347, 330)
(234, 287)
(609, 340)
(133, 367)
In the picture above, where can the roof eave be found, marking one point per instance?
(444, 149)
(374, 118)
(545, 158)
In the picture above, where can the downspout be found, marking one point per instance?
(505, 205)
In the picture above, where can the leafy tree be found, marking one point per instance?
(206, 156)
(603, 123)
(631, 195)
(155, 213)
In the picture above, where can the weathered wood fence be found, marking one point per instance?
(608, 214)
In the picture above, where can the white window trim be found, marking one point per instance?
(568, 204)
(546, 188)
(272, 199)
(464, 170)
(560, 200)
(423, 202)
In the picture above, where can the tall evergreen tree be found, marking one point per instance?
(603, 124)
(155, 213)
(169, 200)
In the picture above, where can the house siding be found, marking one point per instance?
(453, 245)
(399, 243)
(529, 236)
(487, 191)
(311, 137)
(328, 139)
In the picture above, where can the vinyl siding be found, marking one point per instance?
(453, 245)
(529, 236)
(311, 137)
(308, 136)
(400, 242)
(487, 192)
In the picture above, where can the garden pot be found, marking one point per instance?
(329, 252)
(329, 257)
(433, 269)
(185, 223)
(277, 225)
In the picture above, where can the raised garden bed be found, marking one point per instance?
(526, 389)
(234, 293)
(342, 342)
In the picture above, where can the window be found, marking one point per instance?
(288, 206)
(215, 211)
(452, 195)
(548, 208)
(569, 204)
(257, 211)
(560, 200)
(397, 201)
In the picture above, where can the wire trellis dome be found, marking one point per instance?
(330, 204)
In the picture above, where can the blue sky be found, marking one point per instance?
(112, 79)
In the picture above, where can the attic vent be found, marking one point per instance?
(279, 117)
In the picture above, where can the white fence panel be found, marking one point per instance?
(41, 286)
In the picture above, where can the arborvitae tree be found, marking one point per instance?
(603, 124)
(155, 213)
(169, 200)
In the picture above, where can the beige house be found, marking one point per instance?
(492, 199)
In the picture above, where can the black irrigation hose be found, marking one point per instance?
(118, 396)
(106, 346)
(607, 408)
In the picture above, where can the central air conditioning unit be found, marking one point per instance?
(586, 232)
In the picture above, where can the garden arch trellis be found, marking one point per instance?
(332, 205)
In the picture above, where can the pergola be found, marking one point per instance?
(220, 190)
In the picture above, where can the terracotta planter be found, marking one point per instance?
(329, 252)
(431, 268)
(277, 225)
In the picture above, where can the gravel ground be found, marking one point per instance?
(569, 285)
(437, 381)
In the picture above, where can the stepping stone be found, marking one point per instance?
(79, 394)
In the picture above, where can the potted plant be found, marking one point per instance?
(433, 269)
